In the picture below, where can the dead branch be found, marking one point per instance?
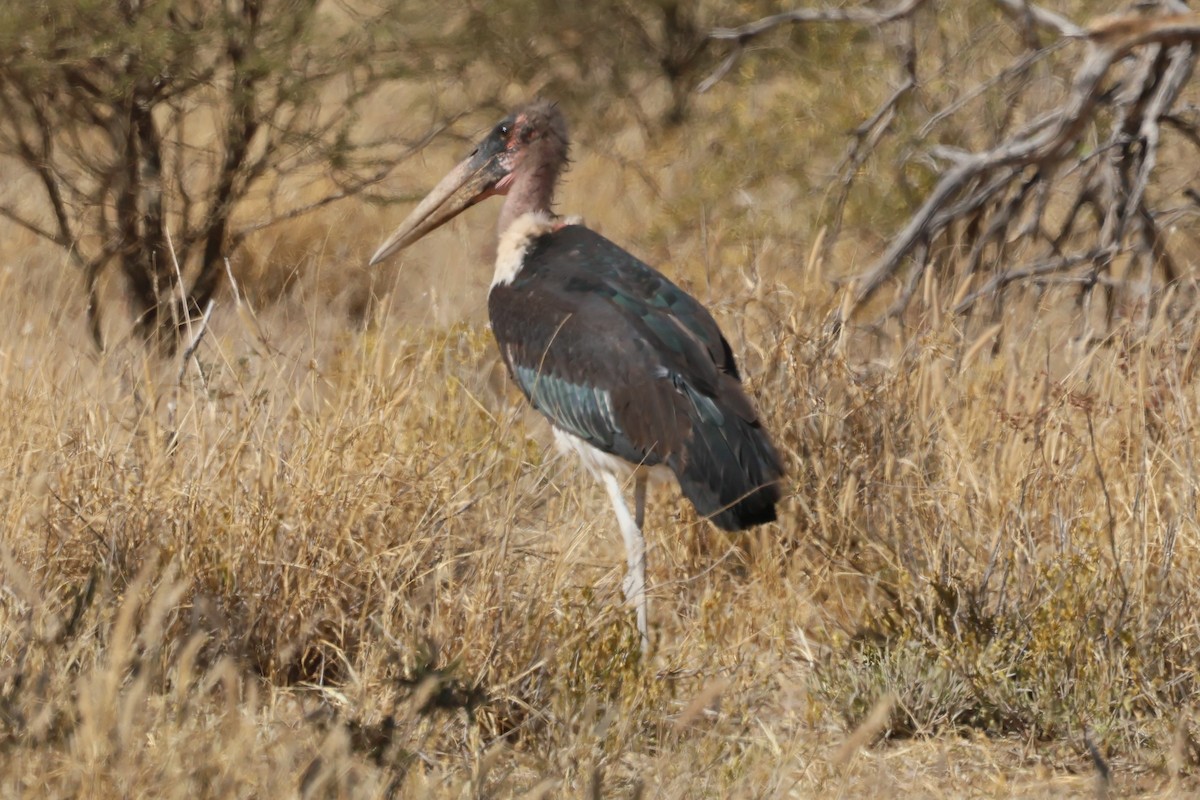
(858, 15)
(1021, 167)
(744, 34)
(864, 139)
(1069, 192)
(1036, 15)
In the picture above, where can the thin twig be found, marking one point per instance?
(1112, 519)
(1046, 19)
(190, 351)
(743, 34)
(859, 15)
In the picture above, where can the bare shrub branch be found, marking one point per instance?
(1068, 182)
(1043, 148)
(126, 136)
(743, 34)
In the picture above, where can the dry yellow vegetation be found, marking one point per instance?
(334, 555)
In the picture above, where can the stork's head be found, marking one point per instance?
(527, 150)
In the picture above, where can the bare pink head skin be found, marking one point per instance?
(520, 159)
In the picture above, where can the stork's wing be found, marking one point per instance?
(613, 352)
(597, 266)
(583, 364)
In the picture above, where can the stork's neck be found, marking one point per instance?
(532, 189)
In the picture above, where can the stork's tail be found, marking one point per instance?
(728, 467)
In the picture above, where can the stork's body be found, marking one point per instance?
(632, 372)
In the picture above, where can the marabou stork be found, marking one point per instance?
(631, 371)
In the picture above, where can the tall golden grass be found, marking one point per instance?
(335, 556)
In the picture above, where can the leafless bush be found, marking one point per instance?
(1067, 190)
(145, 127)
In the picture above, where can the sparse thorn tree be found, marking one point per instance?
(146, 124)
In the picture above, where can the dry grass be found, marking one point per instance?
(340, 560)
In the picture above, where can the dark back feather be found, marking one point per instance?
(613, 352)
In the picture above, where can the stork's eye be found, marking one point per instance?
(502, 129)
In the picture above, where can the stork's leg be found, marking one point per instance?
(634, 584)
